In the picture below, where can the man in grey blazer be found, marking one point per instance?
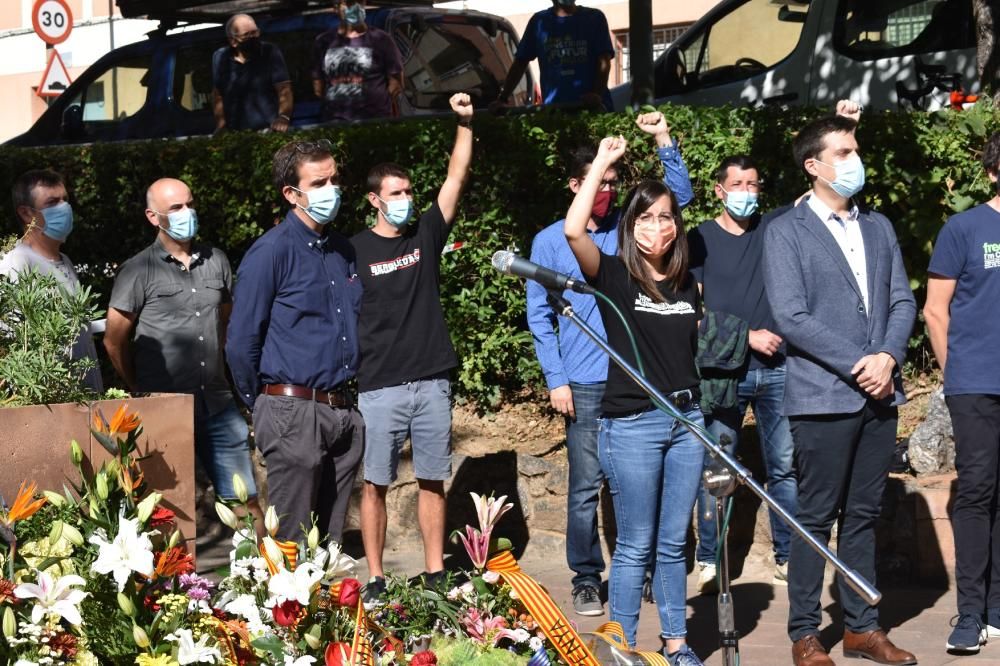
(842, 301)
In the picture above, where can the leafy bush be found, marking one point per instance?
(921, 168)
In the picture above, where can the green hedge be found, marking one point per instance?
(921, 168)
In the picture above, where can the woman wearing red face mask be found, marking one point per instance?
(652, 462)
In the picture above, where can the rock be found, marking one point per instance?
(932, 445)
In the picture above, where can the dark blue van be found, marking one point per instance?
(162, 87)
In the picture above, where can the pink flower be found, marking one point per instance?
(477, 545)
(487, 631)
(489, 510)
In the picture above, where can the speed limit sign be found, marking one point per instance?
(52, 20)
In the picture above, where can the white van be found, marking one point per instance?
(884, 54)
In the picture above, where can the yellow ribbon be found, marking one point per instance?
(613, 634)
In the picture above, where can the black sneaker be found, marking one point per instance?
(430, 581)
(374, 590)
(587, 601)
(968, 634)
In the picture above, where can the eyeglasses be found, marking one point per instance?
(305, 148)
(647, 221)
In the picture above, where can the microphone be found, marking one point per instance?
(507, 262)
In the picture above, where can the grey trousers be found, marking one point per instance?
(312, 452)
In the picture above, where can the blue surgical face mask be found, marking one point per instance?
(324, 203)
(850, 176)
(741, 204)
(398, 212)
(354, 14)
(58, 221)
(183, 224)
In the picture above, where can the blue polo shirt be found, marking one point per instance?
(295, 311)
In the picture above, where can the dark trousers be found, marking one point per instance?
(975, 519)
(841, 462)
(312, 452)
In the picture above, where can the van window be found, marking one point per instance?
(867, 30)
(119, 92)
(193, 77)
(446, 57)
(751, 37)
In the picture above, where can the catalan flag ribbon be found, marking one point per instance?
(613, 635)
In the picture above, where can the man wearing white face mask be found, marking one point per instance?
(293, 346)
(406, 350)
(41, 203)
(839, 293)
(166, 326)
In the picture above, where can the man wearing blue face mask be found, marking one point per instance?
(840, 296)
(46, 217)
(726, 259)
(406, 351)
(293, 346)
(167, 321)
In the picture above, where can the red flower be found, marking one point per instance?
(287, 614)
(161, 516)
(338, 654)
(350, 592)
(426, 658)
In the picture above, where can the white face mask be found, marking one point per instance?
(324, 203)
(850, 176)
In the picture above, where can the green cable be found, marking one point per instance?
(635, 348)
(722, 533)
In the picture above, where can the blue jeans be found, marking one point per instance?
(764, 389)
(221, 445)
(653, 465)
(583, 544)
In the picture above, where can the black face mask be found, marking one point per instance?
(250, 47)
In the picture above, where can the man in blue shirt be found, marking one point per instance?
(574, 51)
(575, 369)
(293, 345)
(963, 290)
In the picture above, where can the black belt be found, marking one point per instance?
(685, 399)
(335, 398)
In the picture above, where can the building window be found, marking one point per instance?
(663, 36)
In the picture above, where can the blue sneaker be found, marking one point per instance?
(683, 657)
(993, 623)
(968, 634)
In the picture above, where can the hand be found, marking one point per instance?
(561, 398)
(874, 374)
(461, 104)
(764, 341)
(849, 109)
(611, 149)
(654, 123)
(593, 101)
(279, 124)
(220, 129)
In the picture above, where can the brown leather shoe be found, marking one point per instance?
(809, 651)
(875, 645)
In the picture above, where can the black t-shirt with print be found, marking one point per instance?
(666, 335)
(402, 329)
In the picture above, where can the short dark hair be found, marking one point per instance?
(384, 170)
(579, 160)
(991, 154)
(292, 155)
(742, 162)
(811, 140)
(638, 201)
(22, 193)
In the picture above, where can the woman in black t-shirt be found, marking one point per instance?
(652, 462)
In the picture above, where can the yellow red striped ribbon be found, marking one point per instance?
(612, 633)
(550, 619)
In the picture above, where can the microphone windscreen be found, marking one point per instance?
(502, 259)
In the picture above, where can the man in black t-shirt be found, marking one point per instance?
(406, 351)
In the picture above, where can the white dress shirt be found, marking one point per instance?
(847, 233)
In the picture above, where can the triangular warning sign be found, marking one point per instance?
(56, 79)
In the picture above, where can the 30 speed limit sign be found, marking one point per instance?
(52, 20)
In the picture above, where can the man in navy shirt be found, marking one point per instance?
(963, 290)
(574, 51)
(293, 345)
(575, 369)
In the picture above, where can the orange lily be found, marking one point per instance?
(121, 423)
(173, 562)
(24, 506)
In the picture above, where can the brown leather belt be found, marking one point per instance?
(332, 398)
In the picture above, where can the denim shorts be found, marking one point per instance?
(221, 445)
(420, 410)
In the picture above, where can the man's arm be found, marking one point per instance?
(248, 323)
(675, 171)
(517, 69)
(285, 105)
(218, 109)
(937, 313)
(461, 158)
(118, 343)
(542, 323)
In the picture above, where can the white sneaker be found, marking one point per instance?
(780, 574)
(707, 584)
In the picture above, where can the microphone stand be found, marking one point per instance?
(720, 487)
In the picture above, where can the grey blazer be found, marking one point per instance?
(820, 312)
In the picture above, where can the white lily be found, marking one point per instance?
(489, 510)
(299, 661)
(298, 585)
(333, 561)
(53, 597)
(129, 551)
(189, 652)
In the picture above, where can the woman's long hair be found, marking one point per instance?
(639, 199)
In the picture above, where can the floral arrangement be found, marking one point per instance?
(99, 574)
